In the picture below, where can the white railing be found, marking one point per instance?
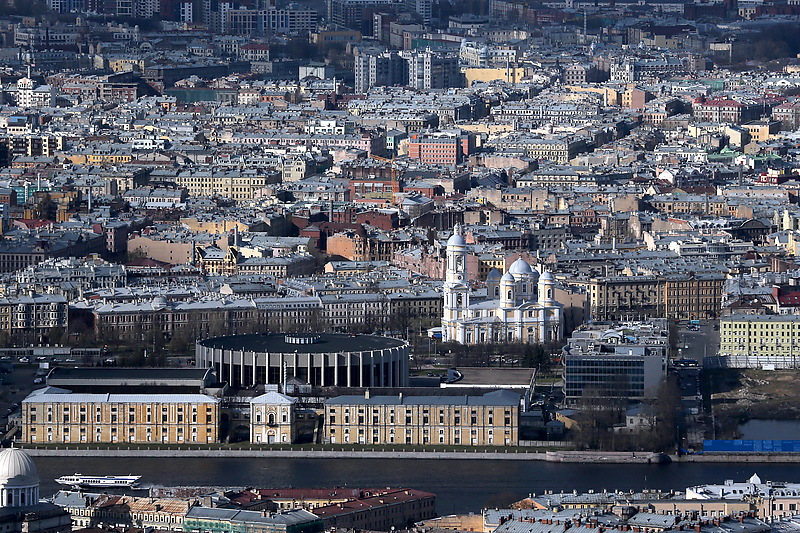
(778, 362)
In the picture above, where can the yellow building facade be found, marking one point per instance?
(214, 226)
(272, 418)
(127, 64)
(488, 420)
(67, 417)
(233, 184)
(755, 340)
(508, 75)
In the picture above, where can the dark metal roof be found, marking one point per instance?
(117, 373)
(328, 342)
(496, 398)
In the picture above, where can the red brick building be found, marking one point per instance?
(440, 148)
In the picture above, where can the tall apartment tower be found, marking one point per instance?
(379, 69)
(423, 8)
(433, 70)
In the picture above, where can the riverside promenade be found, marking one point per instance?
(305, 452)
(506, 454)
(310, 452)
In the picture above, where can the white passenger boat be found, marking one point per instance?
(78, 480)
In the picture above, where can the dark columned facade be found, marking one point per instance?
(321, 359)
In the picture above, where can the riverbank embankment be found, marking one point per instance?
(561, 456)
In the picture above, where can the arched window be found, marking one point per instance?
(497, 291)
(510, 294)
(271, 419)
(549, 294)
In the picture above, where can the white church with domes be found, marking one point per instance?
(520, 306)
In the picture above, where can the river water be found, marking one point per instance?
(461, 486)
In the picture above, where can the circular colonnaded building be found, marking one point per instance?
(19, 482)
(321, 359)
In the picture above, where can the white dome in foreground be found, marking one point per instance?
(19, 481)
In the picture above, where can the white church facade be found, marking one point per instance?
(520, 307)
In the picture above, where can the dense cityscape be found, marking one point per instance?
(334, 237)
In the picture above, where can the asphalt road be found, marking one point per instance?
(16, 386)
(695, 345)
(698, 344)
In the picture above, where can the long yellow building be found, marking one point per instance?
(57, 415)
(491, 419)
(752, 341)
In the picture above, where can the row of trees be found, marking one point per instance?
(539, 356)
(597, 415)
(180, 340)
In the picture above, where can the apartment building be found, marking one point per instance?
(379, 69)
(693, 296)
(172, 248)
(726, 110)
(89, 510)
(549, 110)
(440, 148)
(753, 341)
(382, 510)
(199, 318)
(433, 70)
(691, 204)
(788, 113)
(491, 419)
(29, 145)
(351, 13)
(685, 296)
(221, 520)
(625, 297)
(293, 20)
(35, 312)
(58, 415)
(236, 184)
(214, 260)
(558, 150)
